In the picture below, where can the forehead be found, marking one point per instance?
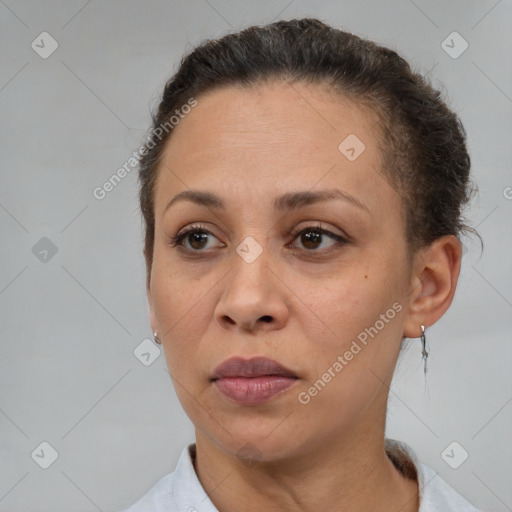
(272, 138)
(243, 118)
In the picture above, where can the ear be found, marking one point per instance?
(433, 282)
(152, 316)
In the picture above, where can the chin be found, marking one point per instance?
(256, 441)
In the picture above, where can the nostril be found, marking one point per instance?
(229, 320)
(266, 318)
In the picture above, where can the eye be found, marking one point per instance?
(312, 237)
(196, 236)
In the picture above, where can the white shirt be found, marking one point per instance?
(181, 490)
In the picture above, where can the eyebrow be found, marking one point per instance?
(286, 202)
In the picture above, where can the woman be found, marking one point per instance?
(302, 192)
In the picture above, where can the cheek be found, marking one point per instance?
(179, 305)
(357, 315)
(347, 370)
(177, 296)
(349, 302)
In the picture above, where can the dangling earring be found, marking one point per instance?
(424, 352)
(155, 337)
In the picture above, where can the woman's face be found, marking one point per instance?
(260, 280)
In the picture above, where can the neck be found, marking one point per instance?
(336, 474)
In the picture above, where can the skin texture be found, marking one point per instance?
(299, 302)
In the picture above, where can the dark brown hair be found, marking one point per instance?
(422, 141)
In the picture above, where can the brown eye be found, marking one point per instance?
(312, 237)
(193, 240)
(197, 239)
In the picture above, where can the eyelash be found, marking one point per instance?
(177, 239)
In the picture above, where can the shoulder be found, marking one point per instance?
(158, 498)
(435, 494)
(179, 491)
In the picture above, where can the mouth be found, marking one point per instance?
(252, 381)
(254, 367)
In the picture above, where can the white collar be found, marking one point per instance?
(435, 494)
(181, 490)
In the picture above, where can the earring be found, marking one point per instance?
(155, 337)
(424, 353)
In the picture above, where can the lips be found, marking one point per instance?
(252, 381)
(255, 367)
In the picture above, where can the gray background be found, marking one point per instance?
(71, 321)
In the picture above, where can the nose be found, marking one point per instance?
(254, 298)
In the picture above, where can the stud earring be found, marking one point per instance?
(155, 337)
